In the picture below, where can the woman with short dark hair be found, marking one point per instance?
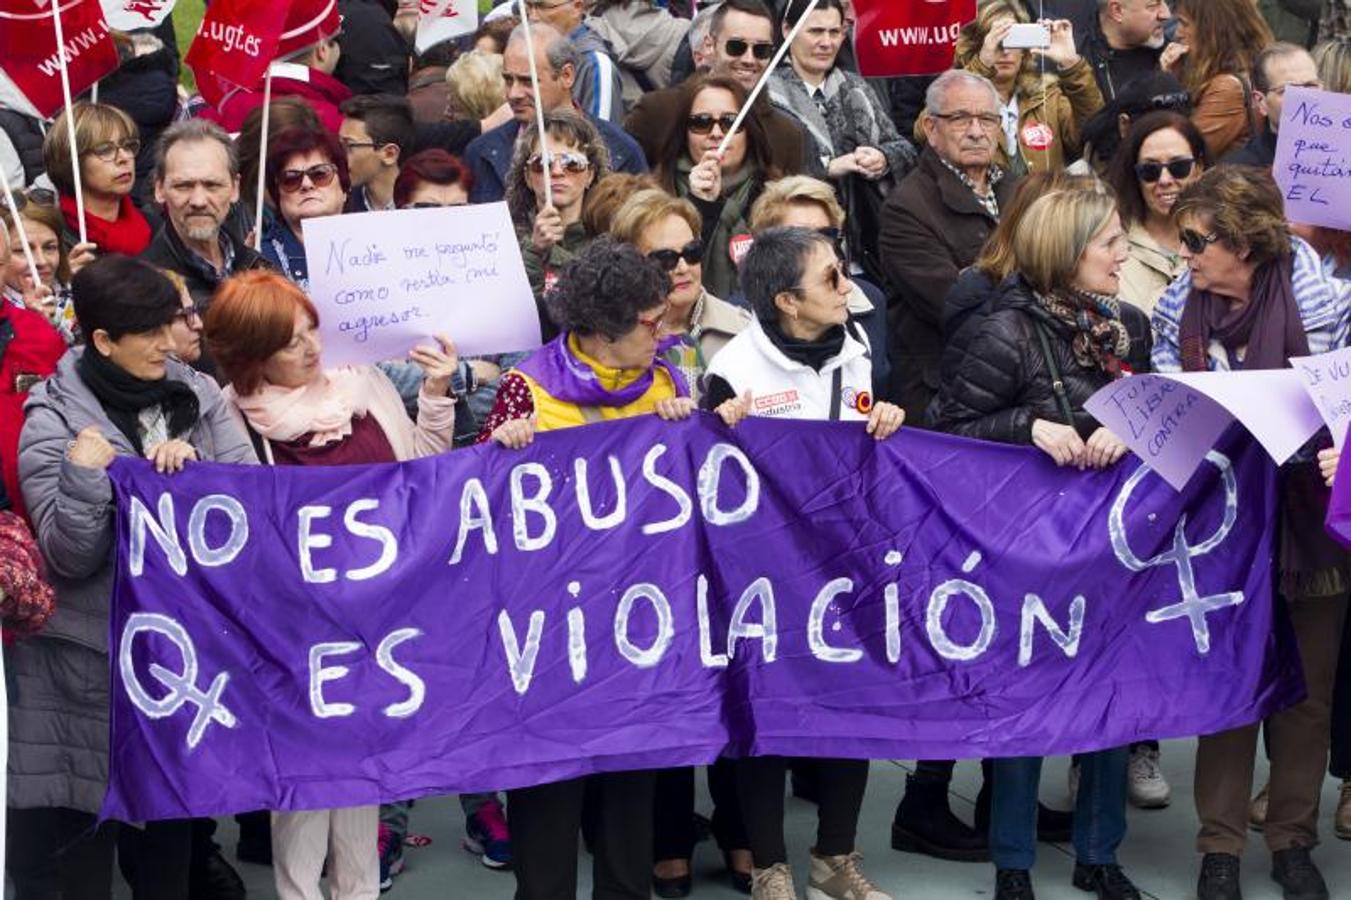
(1253, 297)
(607, 364)
(307, 177)
(122, 394)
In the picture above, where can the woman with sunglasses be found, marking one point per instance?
(800, 359)
(1162, 154)
(1053, 337)
(1044, 108)
(854, 138)
(1213, 54)
(608, 363)
(722, 188)
(1253, 297)
(307, 178)
(106, 142)
(551, 235)
(42, 225)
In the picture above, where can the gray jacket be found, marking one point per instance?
(59, 710)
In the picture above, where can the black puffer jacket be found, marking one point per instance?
(25, 133)
(997, 383)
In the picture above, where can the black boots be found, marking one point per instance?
(925, 824)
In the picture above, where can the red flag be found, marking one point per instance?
(913, 37)
(307, 23)
(235, 43)
(29, 55)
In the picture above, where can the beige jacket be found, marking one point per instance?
(717, 323)
(1148, 270)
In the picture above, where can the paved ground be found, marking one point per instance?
(1158, 852)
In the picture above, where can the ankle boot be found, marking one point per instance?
(925, 824)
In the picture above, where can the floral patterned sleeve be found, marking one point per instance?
(513, 402)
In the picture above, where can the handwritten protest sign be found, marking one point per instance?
(1171, 420)
(1313, 157)
(387, 281)
(1327, 380)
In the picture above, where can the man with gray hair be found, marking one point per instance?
(935, 223)
(197, 183)
(557, 61)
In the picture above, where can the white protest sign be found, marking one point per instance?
(1327, 380)
(384, 282)
(1313, 157)
(441, 20)
(1171, 420)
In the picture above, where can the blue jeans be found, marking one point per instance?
(1099, 814)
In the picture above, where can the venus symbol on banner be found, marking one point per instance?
(1192, 606)
(182, 685)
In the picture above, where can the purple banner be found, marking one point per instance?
(641, 594)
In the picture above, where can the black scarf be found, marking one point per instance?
(810, 353)
(123, 396)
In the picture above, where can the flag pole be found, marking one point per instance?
(764, 78)
(539, 108)
(18, 226)
(70, 121)
(262, 163)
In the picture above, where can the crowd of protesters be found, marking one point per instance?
(976, 252)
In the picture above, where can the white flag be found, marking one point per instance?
(131, 15)
(441, 20)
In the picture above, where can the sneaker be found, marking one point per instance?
(1299, 878)
(774, 883)
(1108, 882)
(1148, 788)
(1257, 810)
(1341, 820)
(1219, 878)
(1013, 884)
(486, 835)
(841, 878)
(390, 848)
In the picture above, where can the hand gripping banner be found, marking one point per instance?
(642, 594)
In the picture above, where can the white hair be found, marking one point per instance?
(938, 90)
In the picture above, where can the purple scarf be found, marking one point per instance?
(1269, 323)
(569, 379)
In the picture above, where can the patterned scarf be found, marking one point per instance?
(1098, 337)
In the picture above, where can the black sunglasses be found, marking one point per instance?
(1196, 242)
(692, 253)
(291, 180)
(1150, 172)
(762, 50)
(702, 123)
(35, 196)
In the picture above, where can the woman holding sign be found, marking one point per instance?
(722, 187)
(611, 303)
(1252, 298)
(1054, 335)
(263, 333)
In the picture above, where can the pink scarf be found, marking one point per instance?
(323, 408)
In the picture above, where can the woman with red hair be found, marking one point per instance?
(432, 178)
(263, 333)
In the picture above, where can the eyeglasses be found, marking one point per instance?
(540, 4)
(188, 313)
(653, 323)
(349, 146)
(835, 277)
(1196, 242)
(430, 204)
(702, 123)
(571, 163)
(1316, 84)
(692, 253)
(1150, 172)
(761, 50)
(107, 151)
(291, 180)
(963, 120)
(1177, 101)
(35, 196)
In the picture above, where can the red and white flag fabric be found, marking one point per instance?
(31, 59)
(908, 37)
(441, 20)
(235, 43)
(131, 15)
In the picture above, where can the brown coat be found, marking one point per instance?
(1220, 111)
(932, 227)
(653, 116)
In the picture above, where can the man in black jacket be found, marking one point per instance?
(1278, 67)
(1123, 41)
(197, 181)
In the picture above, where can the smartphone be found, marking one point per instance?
(1024, 35)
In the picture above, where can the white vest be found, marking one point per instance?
(786, 389)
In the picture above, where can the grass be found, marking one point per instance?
(188, 15)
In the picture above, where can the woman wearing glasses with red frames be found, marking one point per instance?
(106, 142)
(551, 236)
(1160, 156)
(722, 188)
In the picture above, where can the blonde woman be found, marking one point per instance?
(475, 84)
